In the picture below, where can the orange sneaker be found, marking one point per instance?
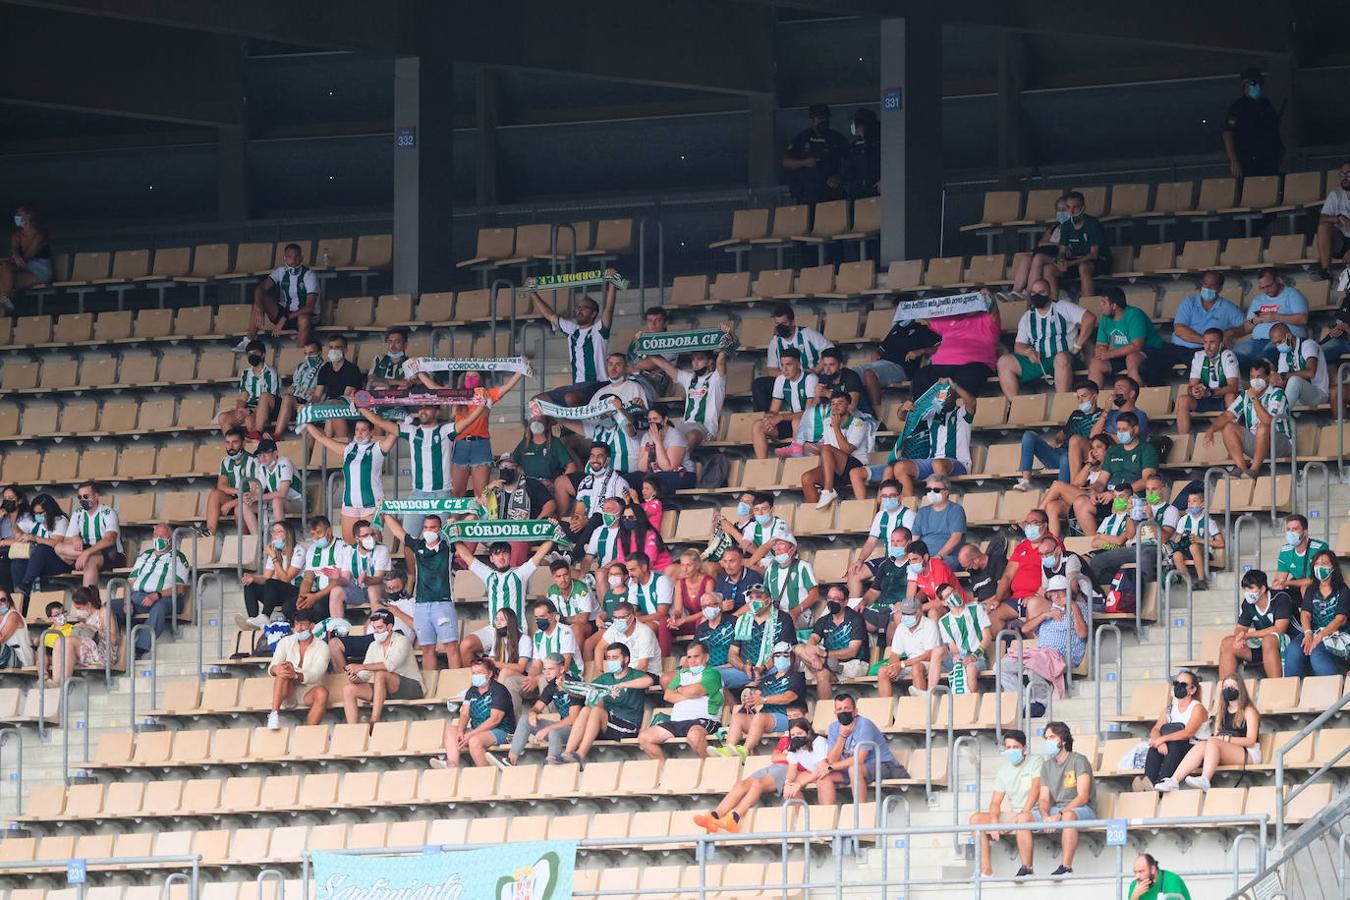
(707, 821)
(729, 824)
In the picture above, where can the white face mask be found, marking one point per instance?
(368, 542)
(379, 636)
(537, 428)
(431, 536)
(334, 355)
(934, 496)
(615, 581)
(781, 558)
(1258, 384)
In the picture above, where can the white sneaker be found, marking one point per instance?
(244, 623)
(826, 498)
(1166, 785)
(241, 346)
(1023, 484)
(1197, 782)
(273, 721)
(917, 692)
(339, 626)
(438, 762)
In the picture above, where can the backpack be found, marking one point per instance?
(1120, 597)
(715, 473)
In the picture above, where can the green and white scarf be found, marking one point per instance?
(439, 364)
(745, 631)
(450, 506)
(528, 530)
(600, 409)
(589, 278)
(660, 343)
(322, 412)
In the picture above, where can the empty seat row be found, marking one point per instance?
(136, 462)
(528, 245)
(804, 224)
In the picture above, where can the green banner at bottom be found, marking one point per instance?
(530, 870)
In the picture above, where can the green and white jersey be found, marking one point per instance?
(363, 475)
(951, 434)
(560, 641)
(332, 556)
(883, 523)
(1114, 524)
(363, 565)
(306, 377)
(603, 544)
(811, 429)
(254, 384)
(429, 448)
(759, 535)
(964, 627)
(1054, 332)
(704, 396)
(29, 525)
(623, 447)
(504, 589)
(789, 584)
(810, 342)
(1296, 357)
(646, 598)
(296, 562)
(586, 349)
(90, 526)
(271, 478)
(295, 285)
(1197, 525)
(577, 601)
(387, 368)
(1214, 372)
(1273, 400)
(153, 571)
(709, 706)
(857, 432)
(794, 394)
(238, 470)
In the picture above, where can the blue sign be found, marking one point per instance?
(1116, 830)
(75, 871)
(539, 870)
(406, 136)
(892, 100)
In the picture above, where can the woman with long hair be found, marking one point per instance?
(13, 508)
(1181, 723)
(1235, 740)
(94, 639)
(638, 534)
(279, 585)
(691, 583)
(1324, 645)
(43, 529)
(16, 650)
(612, 583)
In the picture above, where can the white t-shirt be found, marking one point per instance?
(1215, 373)
(297, 562)
(295, 288)
(407, 606)
(704, 396)
(487, 637)
(810, 342)
(857, 431)
(596, 487)
(910, 644)
(812, 756)
(673, 438)
(641, 644)
(794, 395)
(91, 526)
(1297, 358)
(1337, 204)
(883, 523)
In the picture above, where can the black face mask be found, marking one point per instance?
(798, 742)
(1230, 694)
(783, 330)
(627, 524)
(255, 359)
(845, 718)
(1180, 689)
(502, 631)
(835, 606)
(949, 405)
(508, 475)
(1119, 399)
(8, 505)
(1040, 301)
(541, 622)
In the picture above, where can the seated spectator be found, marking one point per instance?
(299, 664)
(600, 535)
(1181, 723)
(1234, 740)
(1300, 368)
(16, 650)
(791, 580)
(788, 335)
(1082, 249)
(968, 637)
(1198, 313)
(759, 528)
(1090, 479)
(1152, 883)
(966, 351)
(486, 718)
(93, 638)
(1124, 335)
(616, 714)
(989, 582)
(338, 378)
(1117, 528)
(949, 438)
(889, 516)
(1333, 227)
(691, 582)
(1066, 790)
(1196, 534)
(587, 342)
(279, 584)
(571, 597)
(834, 376)
(503, 641)
(735, 579)
(1155, 520)
(844, 447)
(550, 637)
(321, 584)
(595, 483)
(535, 729)
(758, 631)
(233, 480)
(916, 652)
(1131, 461)
(386, 369)
(897, 358)
(785, 776)
(542, 455)
(1124, 399)
(44, 528)
(837, 639)
(705, 391)
(1050, 336)
(93, 543)
(29, 262)
(716, 628)
(888, 580)
(766, 702)
(362, 470)
(56, 621)
(1030, 266)
(1058, 624)
(1274, 302)
(304, 383)
(854, 741)
(1263, 628)
(1018, 782)
(1247, 424)
(1065, 453)
(790, 392)
(622, 430)
(159, 584)
(1058, 561)
(14, 509)
(695, 690)
(1293, 568)
(435, 619)
(296, 302)
(274, 481)
(259, 386)
(637, 637)
(388, 672)
(662, 453)
(615, 578)
(1324, 642)
(652, 595)
(926, 573)
(1213, 384)
(942, 523)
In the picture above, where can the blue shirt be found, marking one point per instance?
(1288, 301)
(736, 592)
(864, 730)
(1192, 313)
(1113, 414)
(935, 527)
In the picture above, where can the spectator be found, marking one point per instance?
(321, 583)
(1082, 249)
(768, 703)
(93, 543)
(1198, 313)
(639, 638)
(661, 453)
(1247, 424)
(279, 585)
(233, 477)
(652, 594)
(1293, 569)
(299, 664)
(505, 585)
(1196, 534)
(966, 631)
(1235, 739)
(471, 454)
(736, 578)
(16, 650)
(897, 358)
(844, 448)
(1154, 519)
(834, 376)
(758, 527)
(691, 583)
(889, 516)
(1251, 131)
(615, 580)
(814, 159)
(788, 335)
(428, 448)
(1213, 384)
(862, 167)
(296, 302)
(759, 631)
(1131, 461)
(388, 672)
(1273, 303)
(594, 484)
(1042, 255)
(1049, 338)
(434, 619)
(1124, 399)
(363, 565)
(602, 535)
(705, 392)
(338, 378)
(1301, 368)
(791, 581)
(587, 342)
(14, 509)
(550, 636)
(888, 578)
(362, 470)
(989, 583)
(1124, 335)
(386, 369)
(556, 733)
(786, 775)
(916, 652)
(1018, 781)
(1056, 623)
(838, 638)
(1066, 790)
(619, 430)
(1091, 480)
(655, 382)
(159, 584)
(1324, 644)
(926, 573)
(853, 740)
(92, 639)
(29, 263)
(949, 437)
(259, 386)
(502, 641)
(716, 628)
(1066, 453)
(1153, 883)
(942, 523)
(56, 621)
(617, 714)
(486, 718)
(45, 529)
(1181, 723)
(966, 351)
(791, 390)
(1022, 576)
(571, 597)
(695, 690)
(274, 480)
(1333, 227)
(304, 382)
(1263, 628)
(542, 455)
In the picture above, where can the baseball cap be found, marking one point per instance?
(757, 589)
(782, 647)
(820, 110)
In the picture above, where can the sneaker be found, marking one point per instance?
(253, 436)
(244, 623)
(729, 824)
(826, 498)
(793, 449)
(709, 822)
(273, 721)
(1197, 782)
(1167, 785)
(203, 530)
(570, 757)
(1024, 872)
(1062, 870)
(1319, 274)
(1200, 586)
(438, 762)
(917, 692)
(553, 761)
(241, 346)
(499, 763)
(1023, 484)
(1141, 783)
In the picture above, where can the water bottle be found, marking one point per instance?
(326, 264)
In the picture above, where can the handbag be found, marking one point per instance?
(22, 550)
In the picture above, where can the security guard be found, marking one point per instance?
(862, 169)
(1251, 132)
(815, 158)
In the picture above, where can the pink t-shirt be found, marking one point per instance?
(966, 339)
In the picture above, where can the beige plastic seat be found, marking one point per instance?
(87, 268)
(251, 260)
(19, 375)
(118, 415)
(493, 244)
(113, 325)
(153, 323)
(746, 225)
(73, 328)
(999, 207)
(31, 330)
(136, 462)
(59, 372)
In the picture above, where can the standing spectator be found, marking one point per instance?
(1066, 453)
(792, 390)
(388, 671)
(542, 455)
(655, 382)
(1263, 628)
(1018, 781)
(705, 392)
(1251, 131)
(966, 352)
(472, 451)
(93, 543)
(791, 581)
(45, 529)
(1029, 266)
(661, 454)
(434, 617)
(813, 160)
(1153, 883)
(1214, 381)
(843, 448)
(1324, 644)
(587, 342)
(786, 775)
(1274, 301)
(338, 378)
(296, 303)
(233, 478)
(279, 585)
(1082, 248)
(486, 718)
(1050, 336)
(787, 335)
(299, 664)
(304, 381)
(1124, 335)
(854, 740)
(862, 167)
(1066, 790)
(386, 370)
(735, 579)
(159, 584)
(942, 523)
(429, 449)
(259, 386)
(1235, 739)
(838, 638)
(362, 469)
(1333, 227)
(552, 695)
(504, 584)
(618, 430)
(916, 651)
(274, 481)
(1247, 424)
(617, 715)
(1293, 569)
(1181, 723)
(1300, 368)
(29, 263)
(1198, 313)
(695, 691)
(949, 437)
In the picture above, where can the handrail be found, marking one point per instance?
(65, 723)
(1097, 672)
(856, 773)
(928, 730)
(18, 766)
(1280, 800)
(544, 331)
(955, 764)
(1171, 577)
(239, 537)
(492, 308)
(1306, 506)
(305, 450)
(263, 875)
(333, 477)
(1275, 463)
(107, 625)
(264, 532)
(885, 825)
(190, 880)
(176, 546)
(131, 670)
(1343, 848)
(1233, 853)
(553, 247)
(1237, 555)
(1340, 418)
(1024, 695)
(1221, 471)
(202, 622)
(59, 647)
(806, 845)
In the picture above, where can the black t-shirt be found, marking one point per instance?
(904, 337)
(984, 583)
(838, 635)
(335, 382)
(852, 382)
(483, 702)
(1255, 126)
(829, 148)
(862, 168)
(771, 684)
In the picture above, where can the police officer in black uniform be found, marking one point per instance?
(815, 158)
(862, 169)
(1251, 131)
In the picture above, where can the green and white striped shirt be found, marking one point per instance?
(789, 584)
(1201, 525)
(759, 535)
(29, 525)
(238, 470)
(561, 641)
(271, 479)
(796, 393)
(1113, 525)
(504, 589)
(964, 627)
(951, 435)
(623, 448)
(586, 349)
(577, 601)
(429, 449)
(1052, 333)
(295, 287)
(255, 384)
(810, 342)
(153, 571)
(603, 545)
(1273, 400)
(363, 565)
(306, 377)
(646, 598)
(363, 475)
(1214, 372)
(387, 368)
(91, 526)
(704, 396)
(317, 558)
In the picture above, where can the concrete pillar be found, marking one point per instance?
(1011, 81)
(485, 123)
(423, 148)
(764, 153)
(911, 136)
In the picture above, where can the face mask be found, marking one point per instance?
(781, 558)
(914, 570)
(502, 631)
(255, 359)
(472, 381)
(890, 504)
(368, 542)
(1153, 499)
(621, 623)
(18, 221)
(615, 581)
(303, 635)
(696, 670)
(934, 496)
(1120, 504)
(798, 742)
(1061, 216)
(1230, 694)
(161, 544)
(4, 610)
(762, 518)
(86, 504)
(783, 330)
(1049, 562)
(380, 636)
(781, 664)
(895, 552)
(1322, 572)
(1283, 348)
(334, 355)
(1195, 510)
(1180, 689)
(1208, 294)
(1124, 437)
(613, 666)
(39, 518)
(711, 612)
(478, 679)
(1014, 755)
(1031, 530)
(1118, 399)
(313, 360)
(537, 427)
(755, 606)
(627, 523)
(1258, 384)
(508, 474)
(597, 469)
(909, 621)
(320, 543)
(8, 505)
(1251, 596)
(279, 543)
(742, 509)
(431, 536)
(541, 622)
(1040, 301)
(59, 619)
(1292, 538)
(1051, 747)
(1253, 92)
(835, 607)
(1086, 406)
(845, 718)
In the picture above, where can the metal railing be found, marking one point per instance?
(928, 730)
(192, 881)
(74, 680)
(492, 308)
(1288, 420)
(13, 731)
(58, 648)
(541, 370)
(1341, 370)
(1237, 555)
(1024, 695)
(131, 671)
(1097, 672)
(955, 788)
(1169, 579)
(785, 847)
(1306, 506)
(202, 621)
(554, 263)
(1221, 472)
(112, 585)
(1282, 802)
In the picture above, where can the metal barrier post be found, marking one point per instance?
(542, 368)
(1340, 418)
(112, 585)
(1281, 801)
(202, 622)
(131, 670)
(239, 537)
(553, 247)
(886, 826)
(265, 874)
(1275, 463)
(1306, 506)
(59, 648)
(1220, 472)
(856, 774)
(1237, 554)
(13, 730)
(956, 780)
(175, 545)
(65, 723)
(1233, 852)
(1171, 577)
(327, 497)
(933, 692)
(1097, 672)
(806, 818)
(305, 444)
(492, 309)
(1024, 701)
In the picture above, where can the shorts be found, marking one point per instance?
(297, 693)
(435, 622)
(487, 638)
(354, 646)
(1282, 445)
(777, 771)
(1050, 250)
(500, 736)
(40, 268)
(880, 619)
(1254, 754)
(410, 689)
(889, 769)
(1033, 371)
(683, 727)
(358, 512)
(780, 722)
(887, 372)
(1080, 812)
(617, 729)
(1100, 266)
(471, 451)
(1210, 404)
(878, 472)
(851, 463)
(925, 467)
(112, 558)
